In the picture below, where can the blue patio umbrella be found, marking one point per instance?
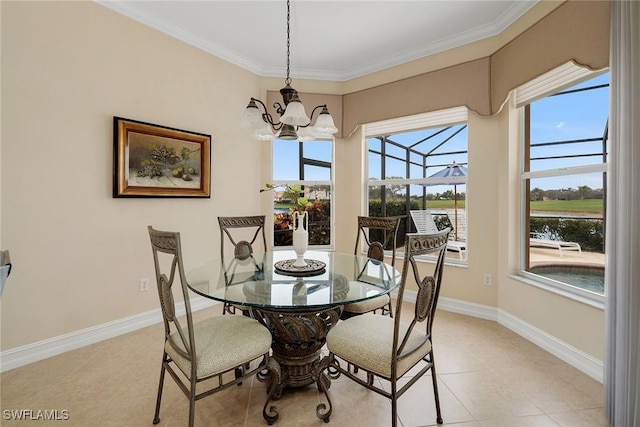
(455, 175)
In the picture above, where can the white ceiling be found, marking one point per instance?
(331, 39)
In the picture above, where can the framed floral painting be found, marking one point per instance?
(158, 161)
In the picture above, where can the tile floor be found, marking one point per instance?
(488, 376)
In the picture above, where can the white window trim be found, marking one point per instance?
(566, 75)
(571, 170)
(413, 181)
(450, 116)
(583, 296)
(330, 183)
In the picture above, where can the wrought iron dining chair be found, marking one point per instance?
(387, 231)
(387, 348)
(220, 347)
(242, 249)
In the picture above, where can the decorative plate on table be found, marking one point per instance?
(313, 267)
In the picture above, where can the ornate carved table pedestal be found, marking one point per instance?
(298, 337)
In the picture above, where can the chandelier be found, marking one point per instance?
(294, 124)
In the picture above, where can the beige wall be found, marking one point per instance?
(577, 324)
(570, 31)
(349, 187)
(68, 67)
(460, 282)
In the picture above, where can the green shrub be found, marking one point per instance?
(319, 226)
(588, 233)
(394, 207)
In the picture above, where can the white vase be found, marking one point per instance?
(300, 237)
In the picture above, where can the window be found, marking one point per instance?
(408, 163)
(303, 176)
(565, 145)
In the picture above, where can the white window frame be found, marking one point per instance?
(554, 81)
(311, 183)
(450, 116)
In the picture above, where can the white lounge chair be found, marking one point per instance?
(425, 225)
(537, 242)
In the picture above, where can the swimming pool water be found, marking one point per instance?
(590, 279)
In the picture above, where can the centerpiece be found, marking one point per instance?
(300, 237)
(297, 221)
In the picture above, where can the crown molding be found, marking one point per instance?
(508, 17)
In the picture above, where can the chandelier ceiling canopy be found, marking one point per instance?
(294, 124)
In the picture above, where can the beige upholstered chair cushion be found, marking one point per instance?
(367, 305)
(222, 343)
(366, 341)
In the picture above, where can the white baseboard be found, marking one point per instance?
(563, 351)
(457, 306)
(469, 308)
(20, 356)
(30, 353)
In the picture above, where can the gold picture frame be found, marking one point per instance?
(158, 161)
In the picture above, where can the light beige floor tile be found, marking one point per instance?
(296, 407)
(466, 424)
(528, 421)
(586, 418)
(454, 357)
(417, 407)
(354, 405)
(484, 395)
(488, 376)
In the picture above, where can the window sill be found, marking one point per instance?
(585, 297)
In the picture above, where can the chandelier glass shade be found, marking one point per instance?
(294, 124)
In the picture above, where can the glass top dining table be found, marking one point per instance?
(268, 280)
(299, 305)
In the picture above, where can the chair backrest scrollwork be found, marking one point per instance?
(167, 259)
(388, 226)
(428, 286)
(242, 248)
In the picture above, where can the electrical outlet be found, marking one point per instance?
(144, 285)
(486, 279)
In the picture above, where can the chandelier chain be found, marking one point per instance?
(288, 79)
(293, 118)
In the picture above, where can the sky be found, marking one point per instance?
(579, 115)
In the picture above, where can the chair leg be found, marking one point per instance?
(192, 403)
(435, 390)
(394, 406)
(156, 417)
